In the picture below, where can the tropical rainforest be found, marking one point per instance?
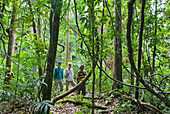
(124, 46)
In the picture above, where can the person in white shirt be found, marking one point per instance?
(69, 75)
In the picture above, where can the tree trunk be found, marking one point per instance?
(154, 51)
(40, 37)
(35, 36)
(132, 75)
(45, 29)
(101, 51)
(67, 40)
(140, 48)
(118, 45)
(39, 24)
(54, 33)
(93, 53)
(11, 44)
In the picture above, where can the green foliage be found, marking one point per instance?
(27, 83)
(41, 107)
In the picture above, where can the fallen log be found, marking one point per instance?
(78, 102)
(54, 100)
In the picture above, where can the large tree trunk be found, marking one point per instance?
(54, 30)
(118, 45)
(140, 48)
(11, 45)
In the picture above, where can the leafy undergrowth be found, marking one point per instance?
(78, 104)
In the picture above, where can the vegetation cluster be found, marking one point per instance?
(124, 45)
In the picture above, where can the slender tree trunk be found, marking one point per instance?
(40, 65)
(140, 47)
(39, 24)
(93, 53)
(11, 44)
(44, 38)
(101, 51)
(154, 51)
(36, 38)
(54, 31)
(118, 45)
(11, 50)
(45, 29)
(100, 74)
(40, 37)
(132, 77)
(67, 40)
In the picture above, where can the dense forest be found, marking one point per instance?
(124, 46)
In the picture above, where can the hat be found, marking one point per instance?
(59, 62)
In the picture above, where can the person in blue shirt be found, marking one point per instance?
(59, 76)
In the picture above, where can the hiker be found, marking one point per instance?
(69, 75)
(59, 76)
(80, 75)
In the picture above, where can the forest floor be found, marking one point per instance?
(78, 104)
(81, 105)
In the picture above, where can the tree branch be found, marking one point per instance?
(3, 40)
(62, 47)
(3, 29)
(164, 11)
(166, 77)
(148, 106)
(79, 28)
(156, 87)
(118, 80)
(109, 12)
